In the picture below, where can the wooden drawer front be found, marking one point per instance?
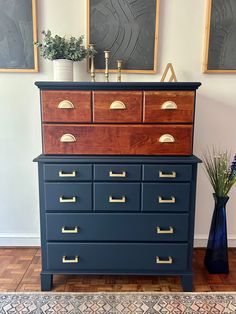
(117, 172)
(118, 139)
(119, 257)
(167, 173)
(117, 227)
(65, 172)
(116, 197)
(166, 197)
(66, 106)
(157, 106)
(68, 196)
(117, 107)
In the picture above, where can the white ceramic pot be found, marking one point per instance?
(63, 70)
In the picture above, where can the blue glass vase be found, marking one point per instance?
(216, 257)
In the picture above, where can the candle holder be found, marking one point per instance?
(92, 67)
(119, 66)
(107, 56)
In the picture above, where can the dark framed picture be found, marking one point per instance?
(126, 28)
(220, 37)
(18, 31)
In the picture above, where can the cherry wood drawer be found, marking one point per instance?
(117, 107)
(117, 139)
(169, 106)
(66, 106)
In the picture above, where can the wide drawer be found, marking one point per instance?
(68, 196)
(117, 139)
(117, 172)
(169, 106)
(66, 106)
(117, 227)
(116, 257)
(117, 107)
(117, 197)
(67, 172)
(166, 197)
(167, 173)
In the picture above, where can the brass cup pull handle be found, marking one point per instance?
(67, 175)
(167, 175)
(67, 200)
(70, 261)
(65, 230)
(117, 105)
(169, 105)
(117, 200)
(117, 175)
(167, 138)
(161, 261)
(67, 138)
(165, 231)
(65, 104)
(171, 200)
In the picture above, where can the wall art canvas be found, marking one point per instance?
(18, 31)
(220, 45)
(128, 29)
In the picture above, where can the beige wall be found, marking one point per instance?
(180, 42)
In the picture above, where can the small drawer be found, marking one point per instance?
(68, 196)
(169, 106)
(117, 257)
(117, 197)
(66, 106)
(166, 197)
(117, 172)
(167, 173)
(67, 172)
(117, 227)
(117, 107)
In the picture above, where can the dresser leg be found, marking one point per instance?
(46, 282)
(187, 283)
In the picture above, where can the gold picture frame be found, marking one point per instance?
(31, 58)
(155, 44)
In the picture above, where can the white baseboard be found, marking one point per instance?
(200, 240)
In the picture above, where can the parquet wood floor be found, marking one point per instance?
(20, 269)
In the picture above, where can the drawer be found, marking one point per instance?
(117, 172)
(117, 227)
(68, 196)
(166, 197)
(117, 107)
(66, 106)
(117, 197)
(169, 106)
(67, 172)
(117, 139)
(167, 173)
(117, 257)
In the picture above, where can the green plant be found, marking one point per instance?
(220, 171)
(57, 47)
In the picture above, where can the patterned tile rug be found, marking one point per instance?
(117, 303)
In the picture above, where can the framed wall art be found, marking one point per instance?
(18, 27)
(220, 37)
(126, 28)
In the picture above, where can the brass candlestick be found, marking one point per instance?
(92, 68)
(119, 66)
(107, 55)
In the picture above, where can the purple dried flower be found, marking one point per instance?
(233, 167)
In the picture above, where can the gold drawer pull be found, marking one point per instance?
(117, 105)
(169, 105)
(64, 230)
(67, 138)
(168, 261)
(70, 261)
(117, 175)
(167, 138)
(167, 175)
(117, 200)
(65, 104)
(67, 175)
(166, 201)
(162, 231)
(68, 200)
